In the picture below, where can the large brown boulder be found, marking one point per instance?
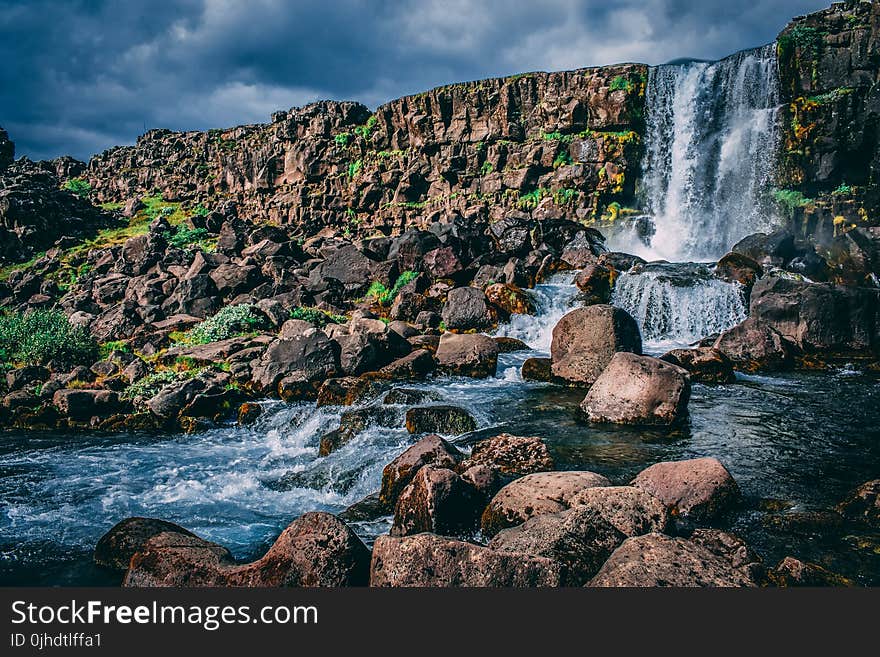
(447, 420)
(437, 500)
(466, 308)
(508, 299)
(316, 549)
(579, 537)
(585, 340)
(638, 390)
(311, 359)
(792, 572)
(537, 369)
(628, 509)
(535, 494)
(116, 548)
(511, 455)
(84, 404)
(659, 560)
(700, 489)
(467, 355)
(429, 560)
(430, 450)
(738, 268)
(752, 346)
(705, 364)
(596, 282)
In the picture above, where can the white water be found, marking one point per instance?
(711, 142)
(672, 315)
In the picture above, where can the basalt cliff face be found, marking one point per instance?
(555, 143)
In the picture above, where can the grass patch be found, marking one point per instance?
(384, 296)
(230, 322)
(78, 186)
(621, 83)
(316, 316)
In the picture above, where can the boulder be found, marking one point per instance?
(467, 355)
(752, 346)
(699, 489)
(510, 345)
(414, 365)
(585, 340)
(316, 549)
(537, 369)
(508, 300)
(448, 420)
(82, 405)
(511, 455)
(819, 317)
(638, 390)
(116, 548)
(171, 399)
(466, 308)
(535, 494)
(309, 359)
(345, 391)
(659, 560)
(430, 560)
(704, 364)
(596, 282)
(793, 572)
(773, 250)
(630, 510)
(430, 450)
(579, 538)
(863, 504)
(437, 500)
(738, 268)
(410, 396)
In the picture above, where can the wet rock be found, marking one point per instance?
(116, 548)
(659, 560)
(704, 364)
(638, 390)
(537, 369)
(753, 346)
(585, 340)
(415, 365)
(430, 450)
(580, 252)
(794, 572)
(508, 299)
(25, 376)
(863, 503)
(345, 391)
(169, 401)
(774, 249)
(442, 263)
(248, 413)
(738, 268)
(467, 355)
(369, 508)
(596, 282)
(485, 480)
(437, 500)
(410, 396)
(699, 489)
(511, 455)
(447, 420)
(535, 494)
(466, 308)
(579, 538)
(628, 509)
(430, 560)
(84, 404)
(619, 263)
(315, 550)
(510, 345)
(353, 422)
(310, 359)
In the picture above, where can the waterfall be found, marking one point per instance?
(676, 305)
(711, 140)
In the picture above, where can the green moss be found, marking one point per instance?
(487, 168)
(316, 316)
(78, 186)
(621, 83)
(342, 139)
(184, 237)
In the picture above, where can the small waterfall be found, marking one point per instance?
(711, 142)
(553, 299)
(676, 305)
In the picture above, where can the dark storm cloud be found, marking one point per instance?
(79, 76)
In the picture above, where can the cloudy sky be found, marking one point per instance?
(79, 76)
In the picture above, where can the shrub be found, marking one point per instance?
(620, 83)
(38, 336)
(201, 211)
(381, 294)
(790, 199)
(78, 186)
(115, 345)
(316, 316)
(229, 322)
(487, 168)
(150, 385)
(843, 190)
(342, 139)
(183, 236)
(562, 159)
(354, 168)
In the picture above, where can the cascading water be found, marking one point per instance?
(711, 140)
(676, 305)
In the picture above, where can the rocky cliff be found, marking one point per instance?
(556, 144)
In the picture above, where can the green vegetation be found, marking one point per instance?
(621, 83)
(843, 190)
(562, 196)
(229, 322)
(556, 136)
(78, 186)
(807, 39)
(366, 130)
(183, 236)
(562, 159)
(316, 316)
(487, 168)
(111, 207)
(790, 199)
(354, 168)
(39, 336)
(201, 211)
(342, 139)
(151, 384)
(382, 295)
(832, 96)
(114, 345)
